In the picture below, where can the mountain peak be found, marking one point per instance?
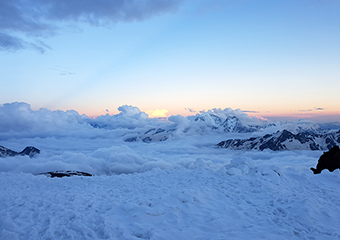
(29, 151)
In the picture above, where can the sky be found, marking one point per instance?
(275, 59)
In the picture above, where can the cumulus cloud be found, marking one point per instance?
(41, 18)
(130, 111)
(182, 123)
(19, 116)
(18, 119)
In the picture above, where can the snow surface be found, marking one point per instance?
(182, 188)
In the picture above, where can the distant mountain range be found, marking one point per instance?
(29, 151)
(229, 124)
(302, 134)
(152, 135)
(204, 121)
(285, 140)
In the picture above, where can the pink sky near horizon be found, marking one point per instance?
(313, 115)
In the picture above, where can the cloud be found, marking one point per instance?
(62, 71)
(190, 110)
(305, 110)
(10, 43)
(310, 110)
(247, 111)
(131, 111)
(182, 123)
(18, 117)
(41, 18)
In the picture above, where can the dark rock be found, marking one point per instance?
(5, 152)
(29, 151)
(131, 139)
(61, 174)
(329, 160)
(147, 140)
(160, 130)
(150, 130)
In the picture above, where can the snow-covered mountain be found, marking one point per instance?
(228, 124)
(212, 123)
(285, 140)
(29, 151)
(202, 123)
(151, 135)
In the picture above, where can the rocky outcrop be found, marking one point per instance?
(329, 160)
(152, 135)
(285, 140)
(61, 174)
(29, 151)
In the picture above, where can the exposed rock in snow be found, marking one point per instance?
(152, 135)
(30, 151)
(65, 174)
(285, 140)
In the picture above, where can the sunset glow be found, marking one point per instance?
(157, 113)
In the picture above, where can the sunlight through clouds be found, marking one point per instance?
(157, 113)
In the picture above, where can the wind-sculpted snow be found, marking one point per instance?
(244, 199)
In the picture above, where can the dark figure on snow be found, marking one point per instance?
(329, 160)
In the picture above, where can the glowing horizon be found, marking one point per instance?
(319, 115)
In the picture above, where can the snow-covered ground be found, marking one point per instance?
(182, 188)
(173, 191)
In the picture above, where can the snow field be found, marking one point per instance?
(245, 199)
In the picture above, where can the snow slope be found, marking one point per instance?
(233, 195)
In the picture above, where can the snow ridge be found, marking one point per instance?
(285, 140)
(29, 151)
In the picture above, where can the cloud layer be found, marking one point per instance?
(35, 19)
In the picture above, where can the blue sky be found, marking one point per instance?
(270, 58)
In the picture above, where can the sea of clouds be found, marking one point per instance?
(18, 119)
(184, 186)
(70, 141)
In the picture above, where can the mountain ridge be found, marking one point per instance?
(285, 140)
(29, 151)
